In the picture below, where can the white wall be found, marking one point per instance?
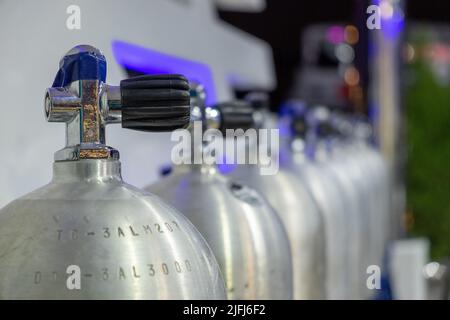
(33, 37)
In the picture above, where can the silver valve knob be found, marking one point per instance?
(208, 116)
(80, 98)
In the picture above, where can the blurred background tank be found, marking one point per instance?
(293, 202)
(309, 148)
(245, 233)
(354, 159)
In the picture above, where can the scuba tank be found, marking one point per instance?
(378, 168)
(245, 233)
(287, 193)
(305, 130)
(87, 234)
(342, 167)
(361, 182)
(366, 167)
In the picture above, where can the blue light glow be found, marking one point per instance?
(393, 22)
(149, 61)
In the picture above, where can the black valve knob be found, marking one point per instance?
(299, 125)
(259, 100)
(320, 121)
(155, 103)
(235, 115)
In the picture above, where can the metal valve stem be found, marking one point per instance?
(86, 116)
(80, 98)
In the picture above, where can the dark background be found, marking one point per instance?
(282, 22)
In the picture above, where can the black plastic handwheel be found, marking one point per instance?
(235, 115)
(155, 103)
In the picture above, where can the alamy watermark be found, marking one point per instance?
(374, 279)
(252, 146)
(73, 21)
(384, 11)
(73, 281)
(375, 12)
(374, 19)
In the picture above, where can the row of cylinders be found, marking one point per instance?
(311, 230)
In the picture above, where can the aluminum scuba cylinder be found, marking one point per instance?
(245, 233)
(348, 176)
(298, 145)
(297, 209)
(377, 165)
(373, 179)
(87, 234)
(358, 181)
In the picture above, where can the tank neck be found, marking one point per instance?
(209, 169)
(89, 170)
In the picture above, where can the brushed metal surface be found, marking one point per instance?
(127, 243)
(327, 195)
(245, 234)
(303, 221)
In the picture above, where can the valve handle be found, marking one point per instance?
(259, 100)
(295, 113)
(235, 115)
(320, 121)
(155, 103)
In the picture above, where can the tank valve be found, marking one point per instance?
(80, 98)
(236, 114)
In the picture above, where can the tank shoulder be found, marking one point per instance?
(86, 191)
(190, 180)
